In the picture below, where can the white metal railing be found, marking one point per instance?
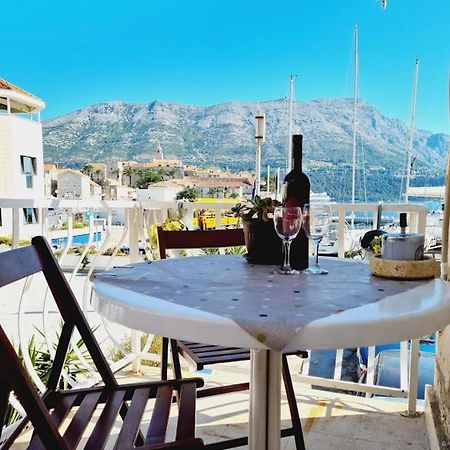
(135, 218)
(417, 221)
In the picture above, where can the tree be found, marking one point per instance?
(213, 192)
(170, 173)
(272, 183)
(128, 172)
(87, 169)
(116, 172)
(147, 177)
(97, 174)
(189, 193)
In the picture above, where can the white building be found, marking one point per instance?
(113, 190)
(114, 170)
(72, 184)
(21, 157)
(164, 191)
(50, 180)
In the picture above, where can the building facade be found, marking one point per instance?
(21, 157)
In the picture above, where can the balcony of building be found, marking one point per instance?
(336, 410)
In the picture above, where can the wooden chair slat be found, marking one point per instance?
(20, 263)
(186, 444)
(164, 358)
(130, 427)
(224, 359)
(198, 239)
(60, 355)
(100, 433)
(217, 351)
(4, 401)
(69, 307)
(194, 346)
(156, 432)
(59, 413)
(227, 389)
(186, 414)
(81, 419)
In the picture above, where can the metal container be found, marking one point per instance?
(403, 246)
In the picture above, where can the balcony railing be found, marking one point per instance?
(125, 226)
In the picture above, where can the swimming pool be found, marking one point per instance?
(78, 239)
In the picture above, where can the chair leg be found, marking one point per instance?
(176, 366)
(164, 357)
(295, 417)
(175, 359)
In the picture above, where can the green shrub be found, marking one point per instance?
(239, 250)
(42, 363)
(168, 225)
(5, 240)
(155, 347)
(75, 225)
(110, 251)
(210, 251)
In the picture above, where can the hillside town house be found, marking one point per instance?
(72, 184)
(50, 180)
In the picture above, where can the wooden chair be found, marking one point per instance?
(48, 411)
(201, 355)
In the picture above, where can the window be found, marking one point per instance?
(28, 169)
(30, 215)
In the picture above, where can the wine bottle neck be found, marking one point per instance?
(297, 152)
(298, 163)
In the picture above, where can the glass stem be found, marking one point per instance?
(317, 251)
(287, 251)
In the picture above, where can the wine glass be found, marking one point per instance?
(316, 222)
(288, 221)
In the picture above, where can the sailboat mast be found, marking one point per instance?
(290, 107)
(355, 105)
(411, 130)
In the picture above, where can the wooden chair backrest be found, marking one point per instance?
(198, 239)
(16, 265)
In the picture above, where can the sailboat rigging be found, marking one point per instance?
(290, 119)
(355, 107)
(410, 160)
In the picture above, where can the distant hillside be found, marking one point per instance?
(223, 135)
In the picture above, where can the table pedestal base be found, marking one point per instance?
(265, 400)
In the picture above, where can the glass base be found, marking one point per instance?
(288, 272)
(315, 270)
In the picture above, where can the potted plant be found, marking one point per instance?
(263, 244)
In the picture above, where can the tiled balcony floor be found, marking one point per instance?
(330, 421)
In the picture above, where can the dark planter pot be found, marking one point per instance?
(262, 242)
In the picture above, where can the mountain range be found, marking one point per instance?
(223, 135)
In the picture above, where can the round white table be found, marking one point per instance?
(224, 300)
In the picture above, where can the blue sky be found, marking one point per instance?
(73, 54)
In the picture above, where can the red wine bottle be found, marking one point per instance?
(296, 193)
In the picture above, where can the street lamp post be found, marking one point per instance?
(259, 137)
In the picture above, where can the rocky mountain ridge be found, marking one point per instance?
(223, 135)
